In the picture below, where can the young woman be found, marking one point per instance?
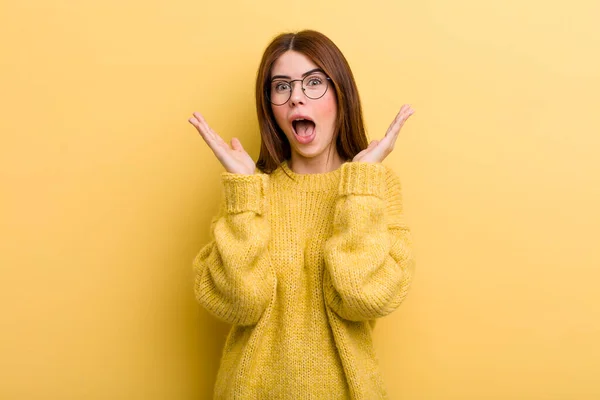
(309, 247)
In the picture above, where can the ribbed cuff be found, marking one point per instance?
(363, 178)
(244, 192)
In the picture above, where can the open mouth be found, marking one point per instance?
(304, 130)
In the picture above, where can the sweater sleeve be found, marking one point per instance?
(233, 276)
(369, 262)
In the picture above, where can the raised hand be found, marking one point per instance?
(380, 149)
(233, 157)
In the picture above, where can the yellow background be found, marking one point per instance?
(107, 191)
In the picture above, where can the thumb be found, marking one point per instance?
(236, 145)
(373, 144)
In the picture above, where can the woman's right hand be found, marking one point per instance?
(234, 158)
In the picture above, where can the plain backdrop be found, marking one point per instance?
(107, 191)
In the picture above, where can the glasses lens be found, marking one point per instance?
(315, 85)
(280, 92)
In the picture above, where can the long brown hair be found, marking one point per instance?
(350, 136)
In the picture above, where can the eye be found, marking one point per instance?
(281, 86)
(314, 81)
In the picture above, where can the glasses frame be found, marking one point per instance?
(327, 80)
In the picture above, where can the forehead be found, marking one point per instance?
(292, 64)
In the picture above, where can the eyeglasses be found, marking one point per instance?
(314, 87)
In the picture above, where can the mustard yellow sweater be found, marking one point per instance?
(301, 266)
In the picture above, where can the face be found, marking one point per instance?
(311, 140)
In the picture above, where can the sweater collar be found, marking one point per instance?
(307, 182)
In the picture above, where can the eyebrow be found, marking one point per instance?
(303, 75)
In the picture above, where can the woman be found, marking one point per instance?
(310, 249)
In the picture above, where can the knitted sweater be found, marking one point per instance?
(301, 265)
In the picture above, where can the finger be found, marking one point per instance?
(393, 124)
(211, 137)
(205, 129)
(389, 141)
(405, 112)
(236, 145)
(204, 125)
(400, 117)
(200, 124)
(206, 136)
(218, 146)
(218, 138)
(194, 121)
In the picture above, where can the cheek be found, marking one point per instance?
(279, 116)
(329, 109)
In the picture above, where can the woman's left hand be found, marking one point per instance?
(380, 149)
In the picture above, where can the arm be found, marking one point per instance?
(369, 263)
(234, 280)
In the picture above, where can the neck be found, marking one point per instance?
(315, 165)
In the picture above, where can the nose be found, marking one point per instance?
(297, 96)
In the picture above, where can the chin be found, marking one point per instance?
(312, 155)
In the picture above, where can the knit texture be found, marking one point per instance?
(302, 266)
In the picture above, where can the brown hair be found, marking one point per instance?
(350, 136)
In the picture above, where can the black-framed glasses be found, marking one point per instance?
(314, 87)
